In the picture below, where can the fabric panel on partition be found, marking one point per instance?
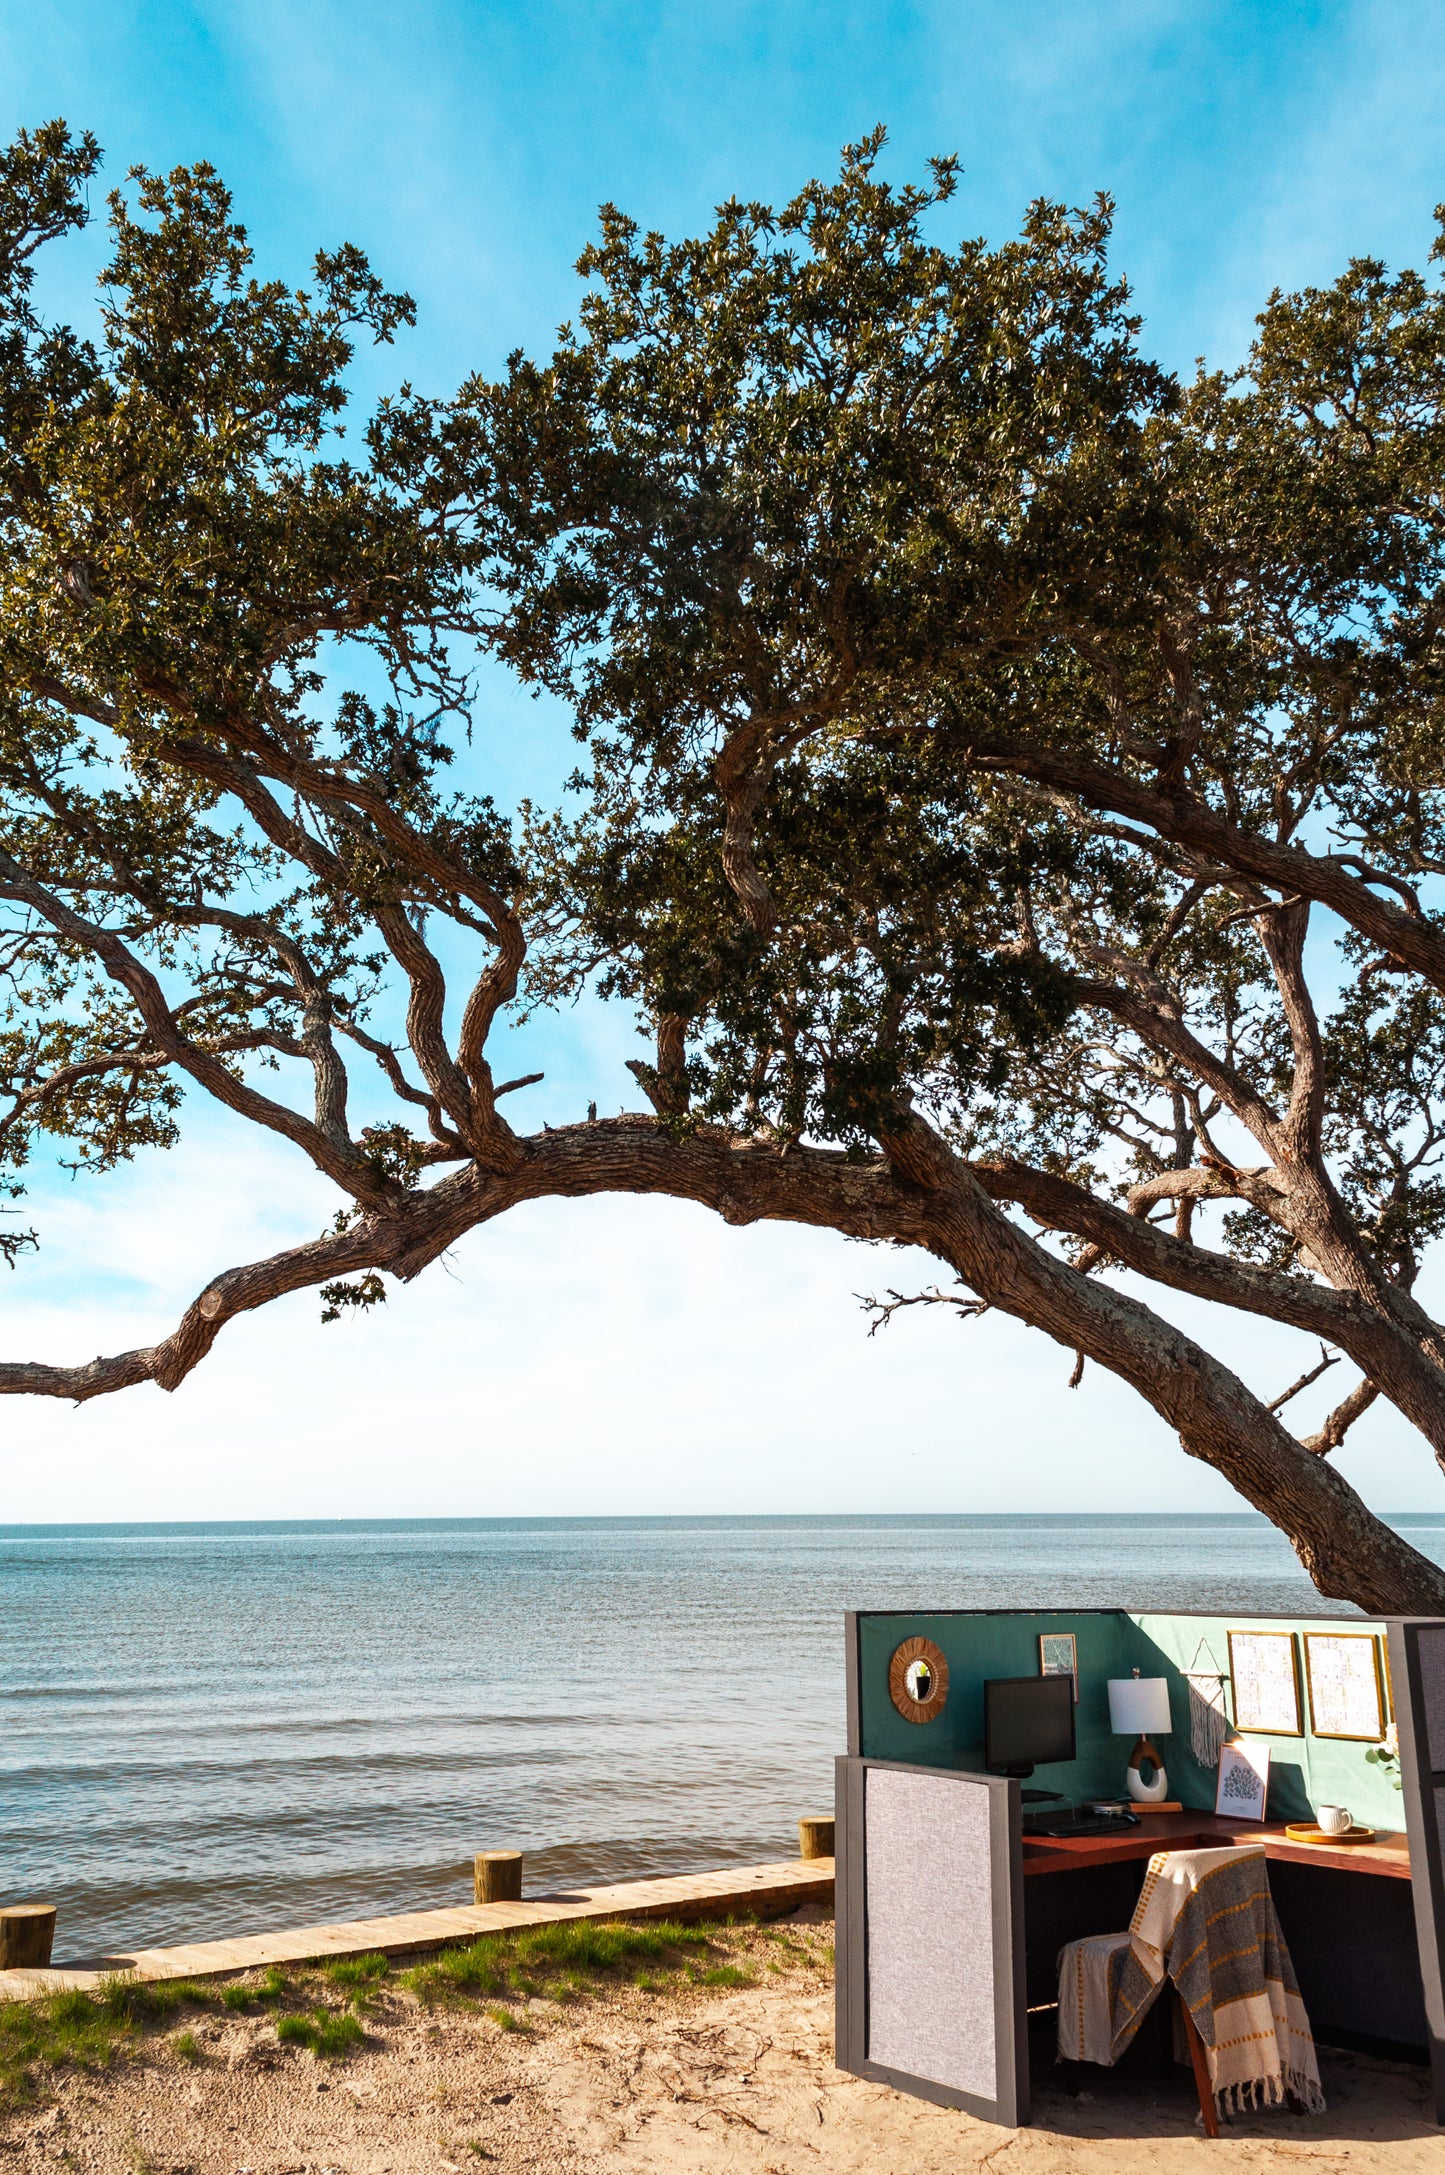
(1432, 1679)
(931, 1967)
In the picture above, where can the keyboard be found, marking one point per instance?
(1096, 1824)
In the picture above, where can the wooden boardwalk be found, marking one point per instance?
(765, 1890)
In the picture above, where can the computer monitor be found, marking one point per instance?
(1027, 1722)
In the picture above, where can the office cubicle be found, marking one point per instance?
(919, 1821)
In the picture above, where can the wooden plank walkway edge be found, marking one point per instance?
(768, 1891)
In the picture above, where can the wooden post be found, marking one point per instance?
(26, 1933)
(815, 1837)
(498, 1876)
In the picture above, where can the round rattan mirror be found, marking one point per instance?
(918, 1680)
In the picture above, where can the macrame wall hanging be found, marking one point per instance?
(1208, 1722)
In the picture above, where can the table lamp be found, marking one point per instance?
(1139, 1706)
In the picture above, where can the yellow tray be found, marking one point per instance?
(1311, 1834)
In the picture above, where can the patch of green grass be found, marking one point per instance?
(475, 2145)
(329, 2036)
(241, 1994)
(646, 1983)
(572, 1955)
(357, 1970)
(503, 2018)
(479, 1968)
(589, 1949)
(724, 1975)
(85, 2030)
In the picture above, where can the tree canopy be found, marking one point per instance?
(1009, 789)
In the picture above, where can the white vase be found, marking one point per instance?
(1142, 1792)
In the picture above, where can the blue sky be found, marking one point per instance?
(634, 1356)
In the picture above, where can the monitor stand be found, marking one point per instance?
(1041, 1797)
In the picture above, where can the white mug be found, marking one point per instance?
(1335, 1819)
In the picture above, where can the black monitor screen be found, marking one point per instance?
(1027, 1721)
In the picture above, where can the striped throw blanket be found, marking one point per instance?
(1205, 1918)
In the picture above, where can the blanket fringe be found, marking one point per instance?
(1252, 2093)
(1306, 2090)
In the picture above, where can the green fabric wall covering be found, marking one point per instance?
(1304, 1771)
(996, 1644)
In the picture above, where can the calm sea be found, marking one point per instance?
(215, 1729)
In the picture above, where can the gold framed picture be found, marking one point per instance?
(1265, 1670)
(1347, 1692)
(1059, 1656)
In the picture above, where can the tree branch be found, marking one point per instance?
(1379, 1341)
(1217, 1418)
(1327, 1359)
(343, 1163)
(1282, 932)
(1167, 1032)
(1342, 1419)
(1410, 936)
(918, 1194)
(883, 1310)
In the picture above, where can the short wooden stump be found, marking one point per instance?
(815, 1837)
(497, 1876)
(27, 1932)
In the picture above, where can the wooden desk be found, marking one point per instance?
(1389, 1854)
(1352, 1937)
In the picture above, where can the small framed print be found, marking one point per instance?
(1347, 1697)
(1242, 1790)
(1266, 1683)
(1058, 1656)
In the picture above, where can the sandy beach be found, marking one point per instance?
(672, 2076)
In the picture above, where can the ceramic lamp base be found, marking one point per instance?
(1142, 1792)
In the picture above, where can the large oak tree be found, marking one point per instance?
(1010, 789)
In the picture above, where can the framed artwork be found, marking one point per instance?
(1058, 1656)
(1242, 1790)
(1347, 1696)
(1266, 1683)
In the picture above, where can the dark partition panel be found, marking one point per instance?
(930, 1954)
(1417, 1674)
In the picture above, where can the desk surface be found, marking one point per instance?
(1388, 1854)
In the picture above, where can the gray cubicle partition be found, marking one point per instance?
(930, 1952)
(1417, 1682)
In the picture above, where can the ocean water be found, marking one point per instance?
(215, 1729)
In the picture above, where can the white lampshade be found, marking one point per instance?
(1139, 1706)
